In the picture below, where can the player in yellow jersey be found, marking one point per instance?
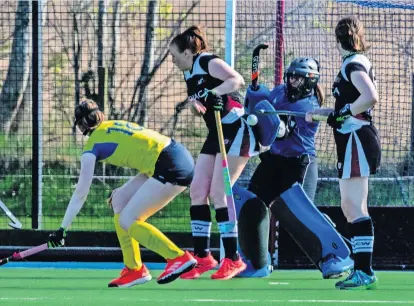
(165, 170)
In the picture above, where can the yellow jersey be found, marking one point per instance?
(126, 144)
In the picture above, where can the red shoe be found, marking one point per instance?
(177, 266)
(204, 264)
(229, 269)
(131, 277)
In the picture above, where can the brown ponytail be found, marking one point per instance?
(193, 39)
(350, 33)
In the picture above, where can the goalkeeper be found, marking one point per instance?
(288, 166)
(165, 170)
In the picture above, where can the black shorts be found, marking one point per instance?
(175, 165)
(358, 152)
(239, 140)
(276, 174)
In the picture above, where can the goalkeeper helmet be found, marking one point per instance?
(305, 73)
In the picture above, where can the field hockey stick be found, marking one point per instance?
(226, 176)
(255, 67)
(315, 117)
(255, 64)
(23, 254)
(15, 222)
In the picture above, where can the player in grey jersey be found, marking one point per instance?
(357, 145)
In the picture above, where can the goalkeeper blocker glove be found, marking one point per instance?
(57, 239)
(336, 118)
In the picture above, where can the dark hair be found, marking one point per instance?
(88, 115)
(350, 33)
(193, 38)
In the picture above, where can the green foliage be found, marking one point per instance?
(321, 25)
(165, 9)
(15, 147)
(5, 47)
(56, 62)
(136, 6)
(162, 33)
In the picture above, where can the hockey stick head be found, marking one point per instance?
(15, 223)
(255, 63)
(6, 260)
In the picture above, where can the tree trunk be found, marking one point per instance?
(77, 53)
(144, 79)
(24, 115)
(112, 61)
(18, 72)
(101, 72)
(101, 31)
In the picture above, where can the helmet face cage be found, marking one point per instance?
(306, 67)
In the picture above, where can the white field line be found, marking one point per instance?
(218, 300)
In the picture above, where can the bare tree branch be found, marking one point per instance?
(144, 80)
(174, 118)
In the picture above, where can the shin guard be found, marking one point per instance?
(317, 238)
(253, 226)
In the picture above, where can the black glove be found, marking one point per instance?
(336, 118)
(214, 99)
(57, 239)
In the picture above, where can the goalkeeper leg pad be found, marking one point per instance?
(253, 226)
(317, 238)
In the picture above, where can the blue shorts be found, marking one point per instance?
(175, 165)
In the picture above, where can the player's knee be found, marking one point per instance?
(217, 196)
(199, 191)
(125, 220)
(118, 201)
(353, 210)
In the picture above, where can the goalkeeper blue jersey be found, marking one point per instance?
(302, 139)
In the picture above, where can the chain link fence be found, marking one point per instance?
(116, 52)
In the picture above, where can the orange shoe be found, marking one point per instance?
(131, 277)
(204, 264)
(229, 269)
(177, 266)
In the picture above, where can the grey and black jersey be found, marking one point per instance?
(199, 80)
(343, 90)
(238, 135)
